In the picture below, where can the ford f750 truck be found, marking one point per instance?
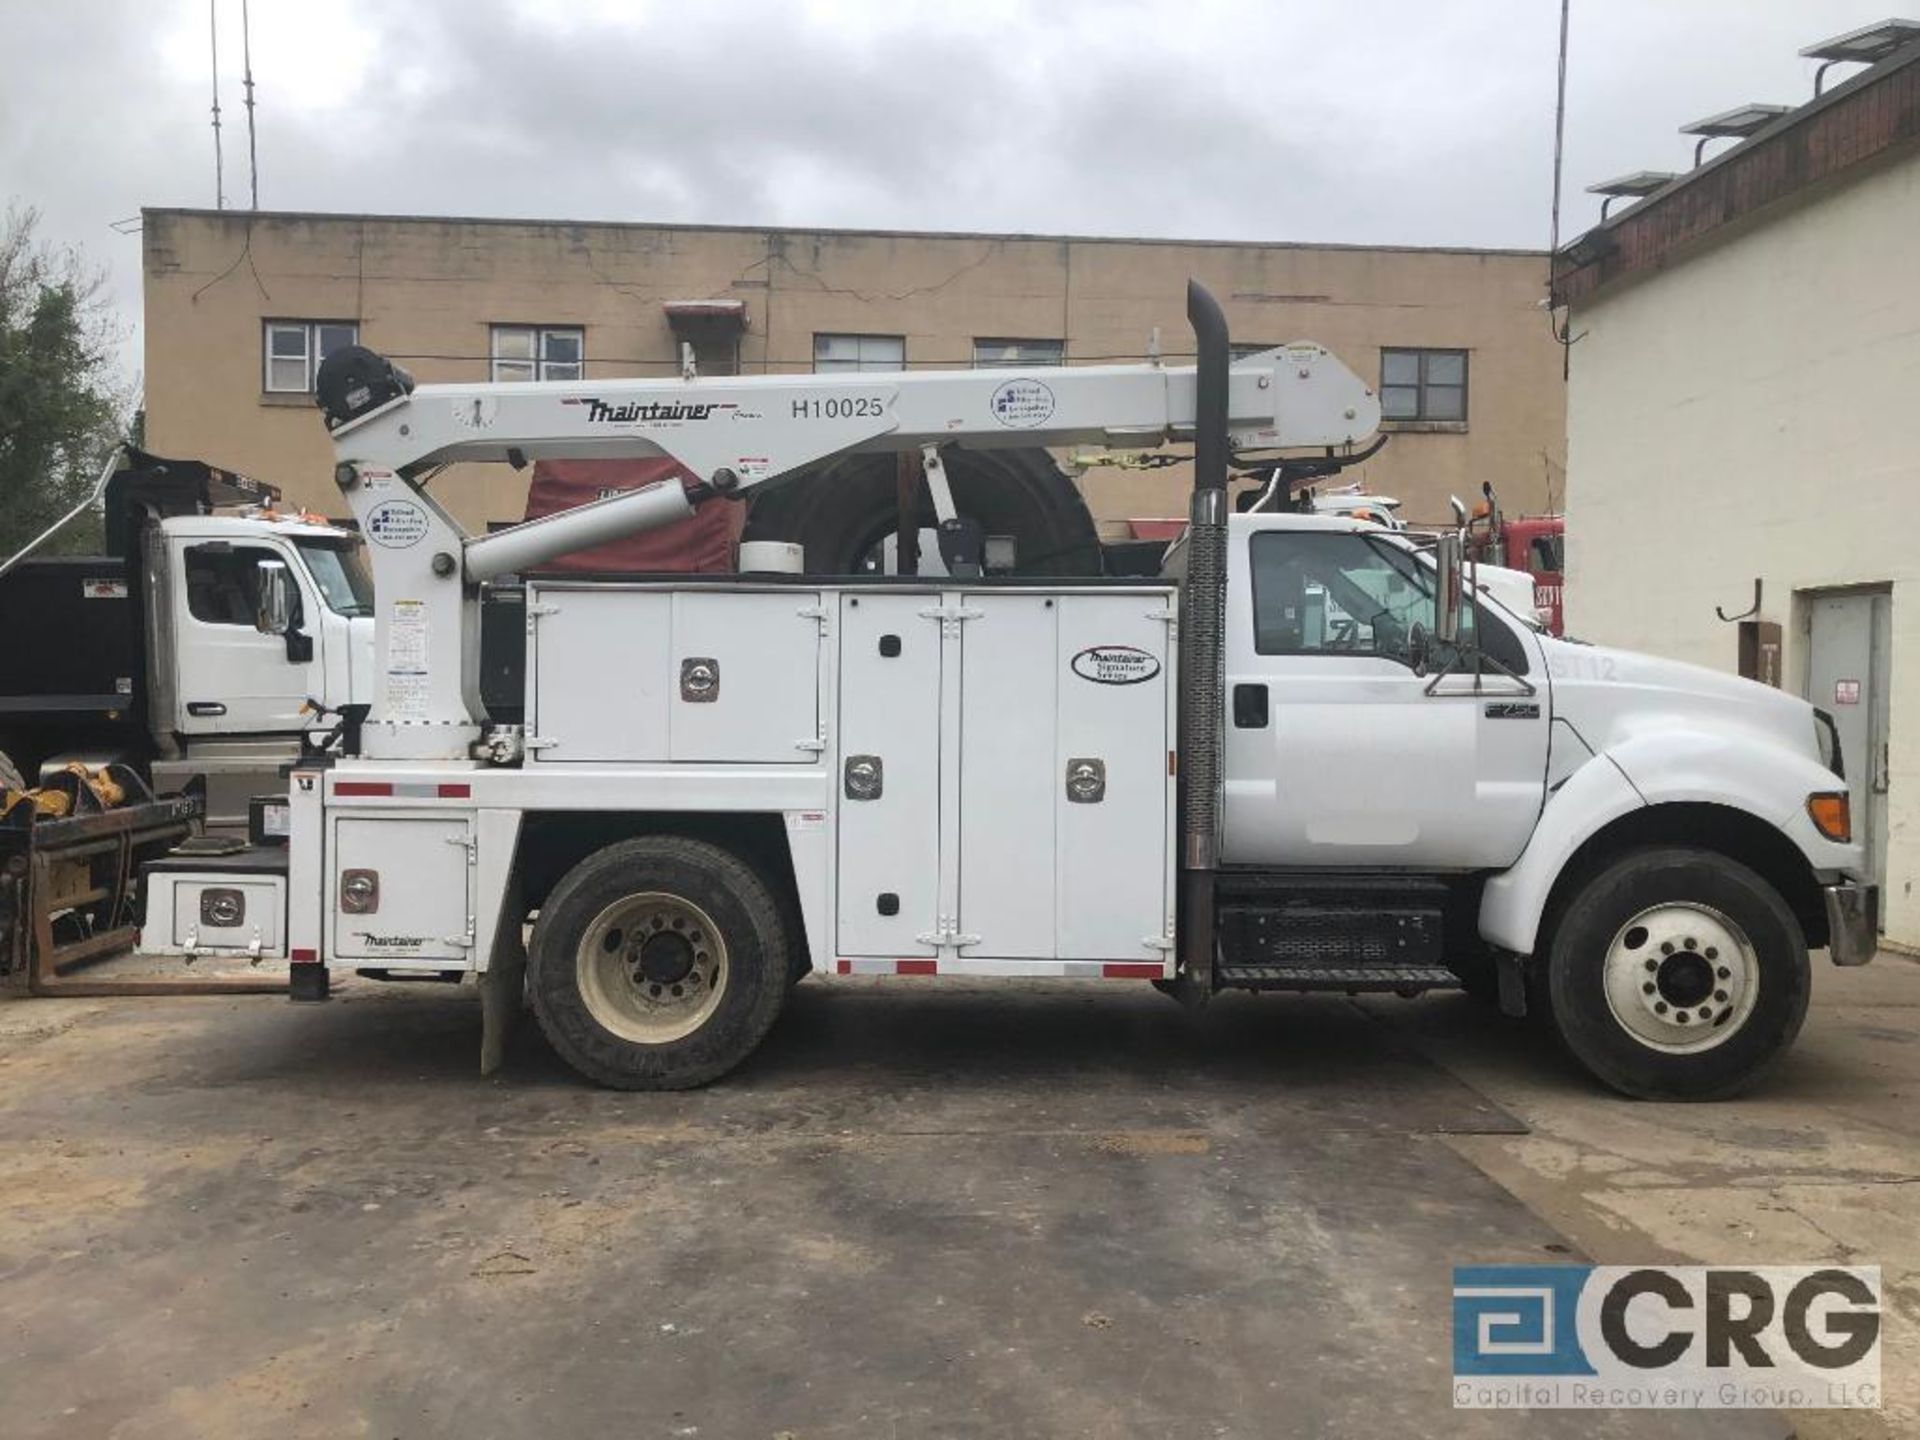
(1317, 758)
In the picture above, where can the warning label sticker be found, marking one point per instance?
(407, 665)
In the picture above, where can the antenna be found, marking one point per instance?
(219, 166)
(253, 158)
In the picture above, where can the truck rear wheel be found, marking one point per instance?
(658, 963)
(1678, 974)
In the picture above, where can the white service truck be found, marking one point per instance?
(1316, 760)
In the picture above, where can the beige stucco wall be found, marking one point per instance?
(1753, 411)
(425, 292)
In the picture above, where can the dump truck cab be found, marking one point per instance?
(162, 652)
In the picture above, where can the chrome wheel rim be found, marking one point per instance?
(1682, 977)
(652, 968)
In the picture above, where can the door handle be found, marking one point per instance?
(205, 707)
(1250, 707)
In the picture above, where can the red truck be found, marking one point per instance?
(1534, 543)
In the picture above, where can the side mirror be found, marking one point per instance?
(1448, 595)
(273, 612)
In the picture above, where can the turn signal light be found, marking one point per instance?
(1832, 815)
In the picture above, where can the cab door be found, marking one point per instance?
(233, 677)
(1338, 753)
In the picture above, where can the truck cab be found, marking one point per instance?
(231, 675)
(165, 652)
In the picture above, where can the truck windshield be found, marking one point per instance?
(340, 570)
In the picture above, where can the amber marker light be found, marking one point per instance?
(1832, 815)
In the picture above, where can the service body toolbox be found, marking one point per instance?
(231, 905)
(998, 757)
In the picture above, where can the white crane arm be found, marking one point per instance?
(733, 433)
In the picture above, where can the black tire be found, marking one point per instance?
(843, 508)
(1763, 1020)
(577, 1010)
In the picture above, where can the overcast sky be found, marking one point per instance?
(1368, 121)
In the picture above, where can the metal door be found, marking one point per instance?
(746, 671)
(417, 902)
(1111, 782)
(1338, 751)
(1848, 648)
(1008, 708)
(889, 775)
(601, 680)
(234, 678)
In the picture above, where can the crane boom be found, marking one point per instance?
(733, 433)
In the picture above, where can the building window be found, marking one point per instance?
(539, 352)
(859, 352)
(1423, 385)
(293, 350)
(995, 354)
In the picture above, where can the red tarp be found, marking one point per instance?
(701, 544)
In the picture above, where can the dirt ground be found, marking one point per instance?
(925, 1209)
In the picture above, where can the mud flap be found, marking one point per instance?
(503, 991)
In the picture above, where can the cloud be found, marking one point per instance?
(1382, 121)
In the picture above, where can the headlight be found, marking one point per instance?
(1826, 735)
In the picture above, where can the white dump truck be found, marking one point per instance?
(1316, 760)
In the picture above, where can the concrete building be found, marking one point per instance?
(1744, 431)
(240, 305)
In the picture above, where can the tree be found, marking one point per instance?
(61, 402)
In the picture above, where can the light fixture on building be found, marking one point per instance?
(1589, 249)
(1866, 46)
(1738, 123)
(1639, 184)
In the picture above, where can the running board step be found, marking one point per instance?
(1335, 977)
(1332, 932)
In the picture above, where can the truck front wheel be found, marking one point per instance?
(1678, 974)
(658, 963)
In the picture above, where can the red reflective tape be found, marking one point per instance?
(843, 967)
(1131, 970)
(455, 790)
(302, 956)
(363, 787)
(916, 967)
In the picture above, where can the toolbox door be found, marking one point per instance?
(888, 776)
(420, 871)
(744, 676)
(1112, 778)
(1008, 694)
(599, 685)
